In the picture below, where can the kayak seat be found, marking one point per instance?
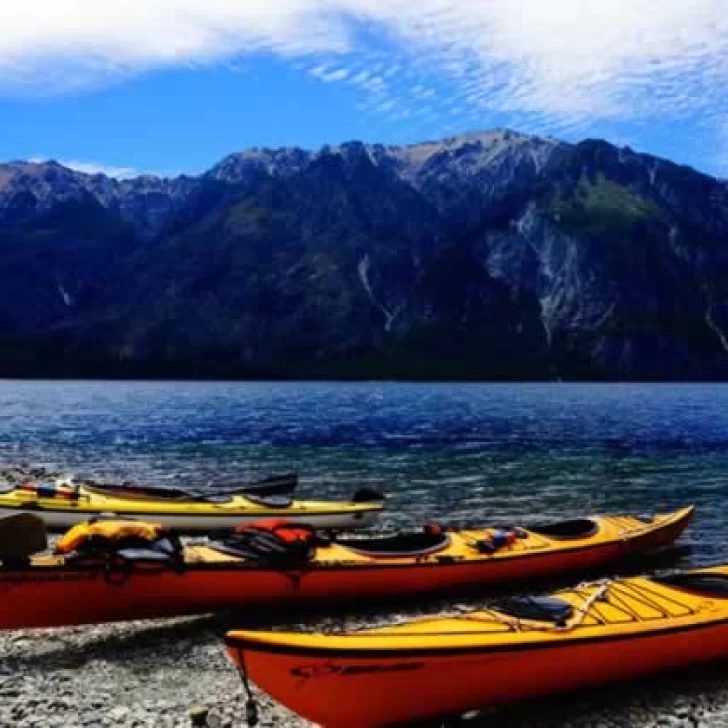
(542, 609)
(575, 528)
(399, 545)
(21, 536)
(712, 585)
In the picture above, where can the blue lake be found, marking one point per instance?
(453, 452)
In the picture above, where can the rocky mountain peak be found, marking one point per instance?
(238, 167)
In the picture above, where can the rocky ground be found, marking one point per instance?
(176, 673)
(173, 672)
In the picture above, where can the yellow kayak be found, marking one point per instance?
(433, 669)
(62, 505)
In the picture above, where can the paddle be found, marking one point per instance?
(271, 485)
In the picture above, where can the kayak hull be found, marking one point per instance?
(328, 689)
(442, 667)
(52, 592)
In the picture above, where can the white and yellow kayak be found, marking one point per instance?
(62, 505)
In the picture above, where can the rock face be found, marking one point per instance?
(490, 255)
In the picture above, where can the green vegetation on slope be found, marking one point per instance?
(599, 207)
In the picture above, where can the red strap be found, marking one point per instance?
(292, 533)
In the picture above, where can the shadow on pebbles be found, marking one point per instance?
(161, 673)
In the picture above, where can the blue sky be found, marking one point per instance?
(169, 86)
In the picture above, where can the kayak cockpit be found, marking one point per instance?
(139, 492)
(400, 545)
(573, 528)
(709, 584)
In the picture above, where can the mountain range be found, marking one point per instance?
(489, 256)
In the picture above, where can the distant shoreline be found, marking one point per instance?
(340, 380)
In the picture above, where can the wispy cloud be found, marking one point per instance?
(420, 91)
(386, 106)
(323, 73)
(564, 62)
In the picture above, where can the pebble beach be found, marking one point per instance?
(169, 673)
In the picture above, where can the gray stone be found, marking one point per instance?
(118, 714)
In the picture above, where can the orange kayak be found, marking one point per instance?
(434, 669)
(49, 591)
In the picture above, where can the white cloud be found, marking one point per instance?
(96, 168)
(323, 73)
(375, 84)
(338, 75)
(93, 167)
(360, 77)
(317, 71)
(565, 62)
(420, 91)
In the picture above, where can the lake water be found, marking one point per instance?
(461, 453)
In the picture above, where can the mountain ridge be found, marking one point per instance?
(489, 255)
